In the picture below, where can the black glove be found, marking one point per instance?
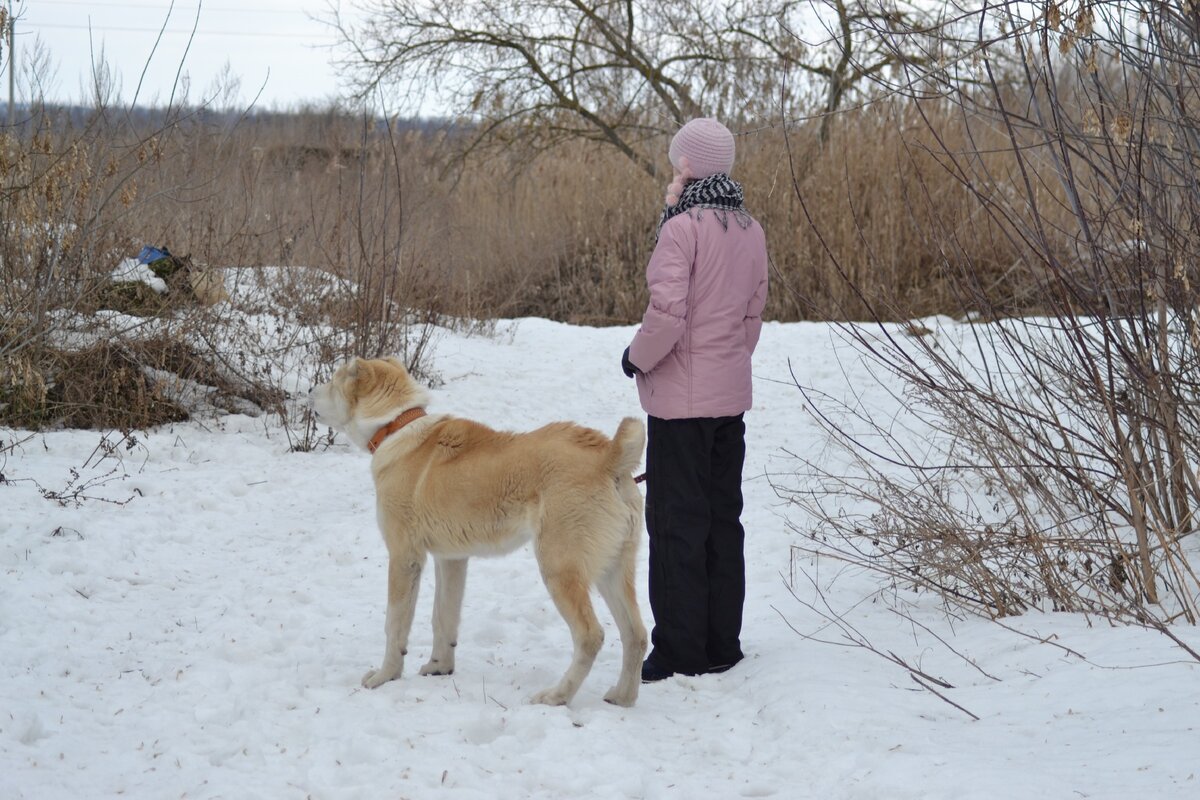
(627, 366)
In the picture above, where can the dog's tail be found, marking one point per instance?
(628, 443)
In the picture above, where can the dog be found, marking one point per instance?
(453, 488)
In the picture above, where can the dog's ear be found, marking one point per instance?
(364, 371)
(371, 375)
(350, 368)
(397, 362)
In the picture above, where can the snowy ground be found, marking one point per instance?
(206, 638)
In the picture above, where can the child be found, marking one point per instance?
(708, 285)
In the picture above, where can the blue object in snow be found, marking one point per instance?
(151, 254)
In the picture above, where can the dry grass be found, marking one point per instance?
(565, 236)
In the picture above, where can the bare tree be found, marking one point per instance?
(859, 61)
(1066, 474)
(618, 71)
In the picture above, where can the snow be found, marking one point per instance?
(194, 623)
(133, 271)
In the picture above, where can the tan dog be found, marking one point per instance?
(455, 488)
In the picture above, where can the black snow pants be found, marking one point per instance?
(697, 563)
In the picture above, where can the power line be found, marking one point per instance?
(166, 7)
(184, 31)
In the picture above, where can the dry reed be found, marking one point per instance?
(381, 207)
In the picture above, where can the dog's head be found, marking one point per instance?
(364, 394)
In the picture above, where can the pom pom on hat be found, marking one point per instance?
(682, 176)
(705, 145)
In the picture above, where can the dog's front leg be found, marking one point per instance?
(447, 610)
(404, 578)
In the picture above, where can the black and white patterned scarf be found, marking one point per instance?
(718, 192)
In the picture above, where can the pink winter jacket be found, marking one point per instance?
(708, 286)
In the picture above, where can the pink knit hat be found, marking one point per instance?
(707, 146)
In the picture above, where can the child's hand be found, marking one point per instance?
(628, 366)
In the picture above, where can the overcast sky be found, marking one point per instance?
(279, 46)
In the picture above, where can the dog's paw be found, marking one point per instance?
(435, 667)
(619, 698)
(377, 677)
(550, 697)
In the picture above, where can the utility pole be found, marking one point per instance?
(12, 63)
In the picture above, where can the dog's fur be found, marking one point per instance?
(454, 488)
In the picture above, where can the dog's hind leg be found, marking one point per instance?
(618, 590)
(404, 578)
(569, 591)
(447, 611)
